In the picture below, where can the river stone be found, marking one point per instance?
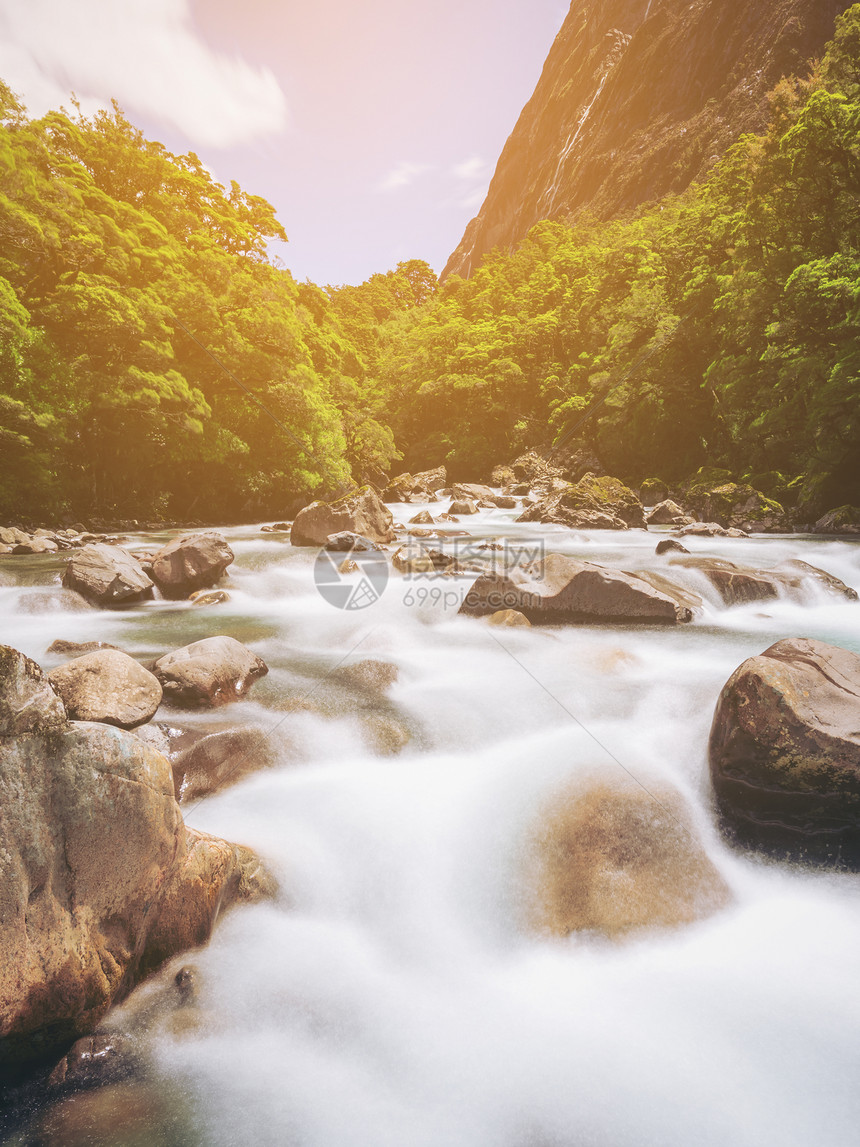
(208, 673)
(615, 859)
(669, 545)
(221, 759)
(107, 575)
(189, 563)
(370, 676)
(737, 584)
(360, 513)
(425, 518)
(100, 880)
(785, 751)
(52, 600)
(209, 597)
(36, 546)
(509, 618)
(77, 648)
(564, 589)
(28, 704)
(669, 513)
(463, 507)
(347, 542)
(107, 686)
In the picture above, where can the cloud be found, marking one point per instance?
(471, 169)
(402, 175)
(147, 56)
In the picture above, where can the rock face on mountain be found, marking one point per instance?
(637, 99)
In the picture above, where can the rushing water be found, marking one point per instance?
(392, 996)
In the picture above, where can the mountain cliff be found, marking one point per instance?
(637, 99)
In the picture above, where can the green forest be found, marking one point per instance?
(156, 362)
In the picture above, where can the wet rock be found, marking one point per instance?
(346, 542)
(100, 880)
(614, 859)
(737, 584)
(348, 566)
(209, 597)
(845, 520)
(77, 648)
(36, 546)
(784, 751)
(107, 686)
(360, 513)
(384, 734)
(93, 1061)
(503, 502)
(208, 673)
(462, 508)
(509, 618)
(472, 492)
(129, 1113)
(567, 590)
(156, 736)
(189, 563)
(28, 704)
(709, 530)
(371, 676)
(670, 546)
(425, 518)
(107, 575)
(219, 760)
(669, 513)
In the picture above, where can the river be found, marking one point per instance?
(392, 997)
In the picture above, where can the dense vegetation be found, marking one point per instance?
(720, 328)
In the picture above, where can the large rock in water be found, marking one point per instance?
(207, 673)
(107, 575)
(737, 584)
(360, 513)
(565, 589)
(785, 751)
(593, 503)
(189, 563)
(100, 881)
(615, 859)
(107, 685)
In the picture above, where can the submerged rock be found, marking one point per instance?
(221, 759)
(565, 589)
(737, 584)
(359, 513)
(107, 575)
(207, 673)
(615, 859)
(189, 563)
(100, 880)
(107, 686)
(509, 618)
(784, 751)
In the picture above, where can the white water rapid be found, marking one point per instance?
(392, 996)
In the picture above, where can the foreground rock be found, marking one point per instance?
(615, 859)
(107, 575)
(208, 673)
(359, 513)
(219, 760)
(593, 503)
(565, 589)
(189, 563)
(109, 686)
(100, 880)
(785, 751)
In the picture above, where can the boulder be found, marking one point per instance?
(36, 546)
(503, 476)
(208, 673)
(360, 513)
(347, 542)
(425, 518)
(709, 530)
(564, 589)
(221, 759)
(669, 513)
(107, 685)
(503, 502)
(652, 491)
(462, 508)
(12, 536)
(593, 503)
(531, 467)
(670, 546)
(107, 575)
(472, 492)
(845, 520)
(737, 584)
(100, 880)
(189, 563)
(613, 858)
(784, 751)
(738, 506)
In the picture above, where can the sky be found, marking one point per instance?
(373, 126)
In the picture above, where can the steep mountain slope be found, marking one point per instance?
(637, 99)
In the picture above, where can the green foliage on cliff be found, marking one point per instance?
(718, 328)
